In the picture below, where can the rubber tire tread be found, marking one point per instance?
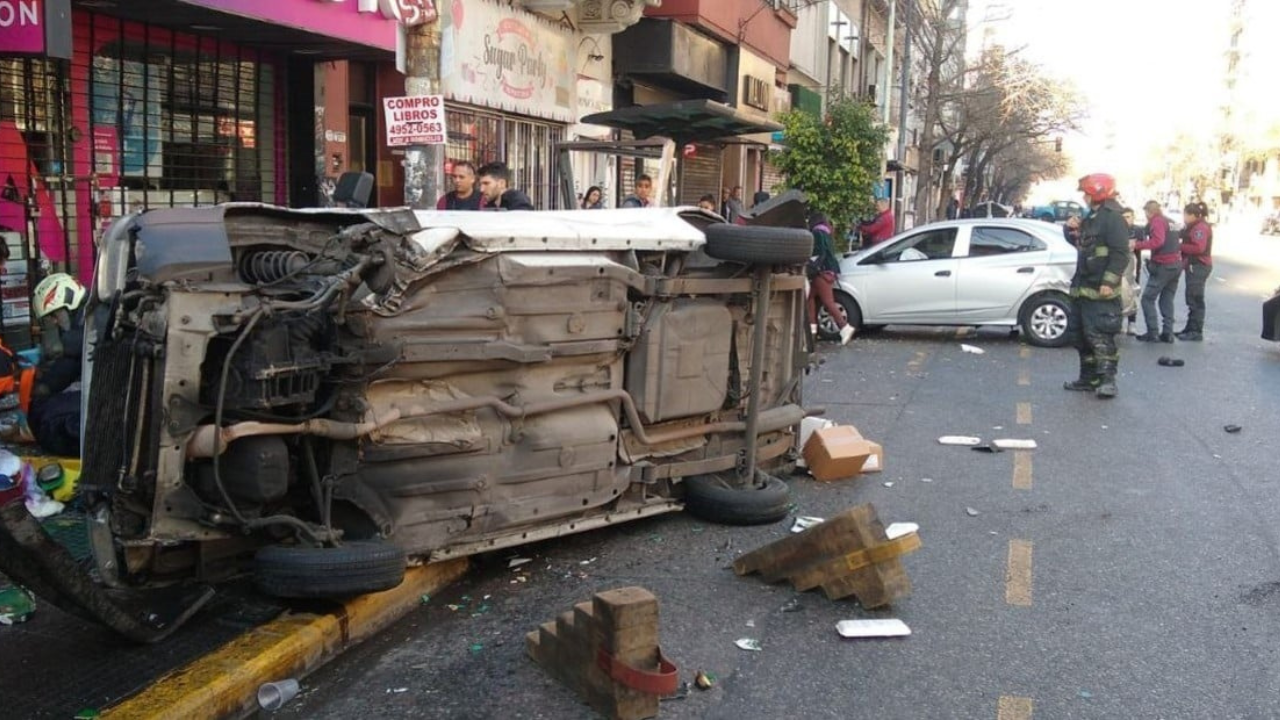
(1024, 322)
(353, 569)
(706, 498)
(758, 244)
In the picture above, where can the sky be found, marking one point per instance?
(1141, 65)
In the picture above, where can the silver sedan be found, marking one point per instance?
(986, 271)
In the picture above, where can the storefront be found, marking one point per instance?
(756, 94)
(135, 115)
(508, 76)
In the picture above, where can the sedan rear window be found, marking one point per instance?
(986, 241)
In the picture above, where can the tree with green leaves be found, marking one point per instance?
(835, 160)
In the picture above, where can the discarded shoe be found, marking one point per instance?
(1171, 362)
(846, 334)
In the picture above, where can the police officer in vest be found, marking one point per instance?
(1103, 254)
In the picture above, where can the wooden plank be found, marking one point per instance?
(842, 565)
(833, 535)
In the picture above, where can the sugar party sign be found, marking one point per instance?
(415, 120)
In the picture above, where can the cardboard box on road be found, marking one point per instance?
(838, 452)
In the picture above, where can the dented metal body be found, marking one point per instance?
(452, 382)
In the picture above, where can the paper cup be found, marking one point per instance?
(274, 695)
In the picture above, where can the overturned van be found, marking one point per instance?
(317, 398)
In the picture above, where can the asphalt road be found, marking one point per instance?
(1148, 584)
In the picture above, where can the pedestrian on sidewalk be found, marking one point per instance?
(641, 197)
(823, 269)
(734, 208)
(1128, 297)
(464, 195)
(495, 181)
(1102, 254)
(1197, 264)
(1163, 271)
(594, 199)
(881, 227)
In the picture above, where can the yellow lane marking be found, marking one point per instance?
(1014, 708)
(1024, 378)
(1025, 352)
(1024, 413)
(917, 362)
(1017, 590)
(1022, 470)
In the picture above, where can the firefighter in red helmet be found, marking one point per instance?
(1103, 253)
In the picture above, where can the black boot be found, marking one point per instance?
(1191, 336)
(1167, 337)
(1088, 380)
(1148, 336)
(1106, 388)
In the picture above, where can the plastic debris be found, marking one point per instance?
(87, 714)
(1232, 428)
(793, 605)
(749, 644)
(751, 623)
(587, 562)
(888, 484)
(704, 680)
(476, 648)
(972, 349)
(926, 479)
(517, 562)
(962, 440)
(1014, 444)
(426, 598)
(804, 522)
(1086, 694)
(274, 695)
(878, 628)
(899, 529)
(971, 512)
(16, 605)
(397, 691)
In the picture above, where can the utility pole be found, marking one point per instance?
(902, 117)
(423, 164)
(890, 37)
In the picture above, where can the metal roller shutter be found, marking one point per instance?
(700, 175)
(772, 180)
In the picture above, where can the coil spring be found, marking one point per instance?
(269, 266)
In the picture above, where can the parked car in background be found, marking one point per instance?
(1057, 211)
(987, 271)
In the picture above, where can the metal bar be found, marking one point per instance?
(760, 310)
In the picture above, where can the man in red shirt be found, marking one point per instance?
(1197, 263)
(1162, 274)
(881, 228)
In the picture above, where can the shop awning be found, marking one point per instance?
(684, 121)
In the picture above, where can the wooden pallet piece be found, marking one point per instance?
(848, 554)
(624, 624)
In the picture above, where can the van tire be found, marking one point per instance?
(758, 244)
(715, 499)
(355, 568)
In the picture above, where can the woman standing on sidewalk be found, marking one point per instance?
(823, 269)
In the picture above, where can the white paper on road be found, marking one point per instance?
(898, 529)
(1011, 444)
(959, 440)
(972, 349)
(892, 627)
(750, 644)
(804, 522)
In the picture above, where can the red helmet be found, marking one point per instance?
(1098, 187)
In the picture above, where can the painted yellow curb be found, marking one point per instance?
(225, 682)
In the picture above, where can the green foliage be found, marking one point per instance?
(836, 160)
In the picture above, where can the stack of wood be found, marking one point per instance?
(607, 650)
(849, 554)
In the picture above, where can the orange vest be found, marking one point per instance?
(16, 376)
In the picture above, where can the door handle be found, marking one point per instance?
(1026, 270)
(942, 273)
